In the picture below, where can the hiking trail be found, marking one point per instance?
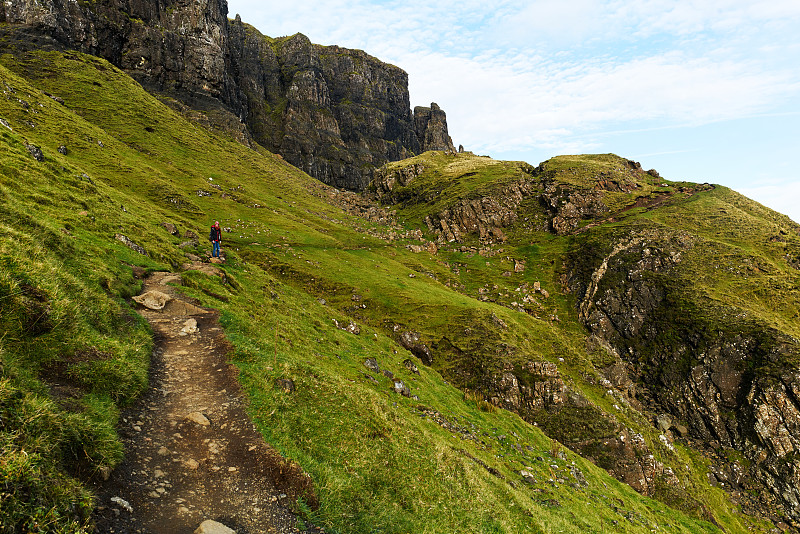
(191, 452)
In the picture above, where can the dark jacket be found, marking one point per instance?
(216, 234)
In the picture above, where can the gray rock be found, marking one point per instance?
(401, 388)
(130, 244)
(36, 152)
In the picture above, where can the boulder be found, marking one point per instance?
(412, 343)
(154, 300)
(36, 152)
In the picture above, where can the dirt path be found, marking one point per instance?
(191, 452)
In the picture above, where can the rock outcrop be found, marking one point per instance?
(485, 216)
(335, 113)
(431, 128)
(716, 377)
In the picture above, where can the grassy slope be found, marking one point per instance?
(380, 462)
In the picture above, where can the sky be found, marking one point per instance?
(702, 91)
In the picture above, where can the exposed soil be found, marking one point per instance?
(191, 452)
(649, 203)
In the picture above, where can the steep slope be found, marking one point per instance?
(324, 311)
(333, 112)
(688, 296)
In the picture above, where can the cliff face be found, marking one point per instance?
(431, 127)
(717, 375)
(333, 112)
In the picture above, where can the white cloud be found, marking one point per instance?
(780, 197)
(497, 101)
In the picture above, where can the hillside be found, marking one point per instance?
(438, 331)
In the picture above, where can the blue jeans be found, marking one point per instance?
(215, 252)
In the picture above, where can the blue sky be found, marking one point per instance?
(701, 91)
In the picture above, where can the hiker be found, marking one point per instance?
(216, 238)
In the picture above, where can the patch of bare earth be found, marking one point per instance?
(191, 452)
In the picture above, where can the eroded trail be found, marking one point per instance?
(191, 452)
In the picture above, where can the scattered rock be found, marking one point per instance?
(350, 327)
(499, 322)
(125, 505)
(62, 149)
(130, 244)
(56, 98)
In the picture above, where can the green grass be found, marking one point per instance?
(445, 462)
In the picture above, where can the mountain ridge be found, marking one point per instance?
(333, 112)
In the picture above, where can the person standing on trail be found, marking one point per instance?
(216, 238)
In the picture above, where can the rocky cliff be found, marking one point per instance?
(333, 112)
(718, 374)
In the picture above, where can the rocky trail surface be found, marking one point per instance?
(192, 456)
